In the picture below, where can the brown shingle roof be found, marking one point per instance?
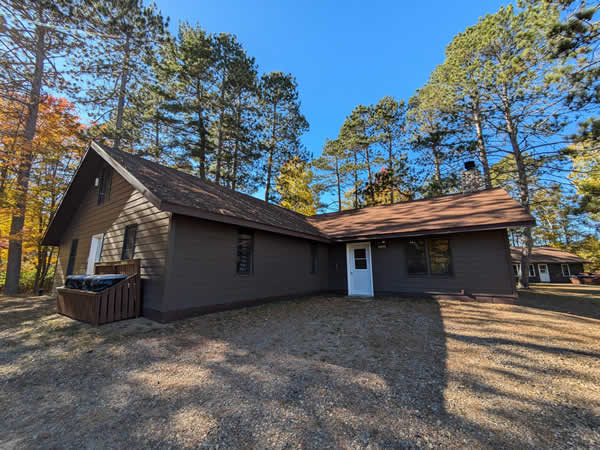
(547, 255)
(181, 193)
(488, 209)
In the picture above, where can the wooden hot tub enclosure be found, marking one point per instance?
(118, 302)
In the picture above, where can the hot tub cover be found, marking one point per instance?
(94, 283)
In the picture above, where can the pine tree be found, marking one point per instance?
(283, 124)
(186, 70)
(333, 170)
(126, 32)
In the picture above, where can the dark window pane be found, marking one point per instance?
(129, 242)
(360, 258)
(104, 186)
(416, 255)
(439, 256)
(360, 264)
(245, 248)
(72, 254)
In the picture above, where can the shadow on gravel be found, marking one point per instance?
(318, 372)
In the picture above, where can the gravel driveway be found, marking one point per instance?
(316, 372)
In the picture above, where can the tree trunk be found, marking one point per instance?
(339, 187)
(355, 170)
(220, 139)
(436, 164)
(481, 145)
(15, 245)
(121, 101)
(271, 152)
(391, 167)
(527, 242)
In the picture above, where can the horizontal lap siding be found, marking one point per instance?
(203, 268)
(480, 266)
(125, 206)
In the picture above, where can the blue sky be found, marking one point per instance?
(342, 53)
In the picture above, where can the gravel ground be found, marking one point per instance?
(316, 372)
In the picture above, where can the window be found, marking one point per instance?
(516, 269)
(104, 185)
(566, 271)
(245, 250)
(439, 256)
(129, 242)
(531, 271)
(360, 258)
(72, 254)
(314, 258)
(417, 256)
(429, 257)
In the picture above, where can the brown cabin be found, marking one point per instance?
(548, 264)
(203, 247)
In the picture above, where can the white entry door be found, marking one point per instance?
(544, 274)
(95, 252)
(360, 273)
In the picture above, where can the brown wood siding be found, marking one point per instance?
(125, 206)
(202, 269)
(480, 266)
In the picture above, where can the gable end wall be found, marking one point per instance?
(125, 206)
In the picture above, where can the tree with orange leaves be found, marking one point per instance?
(58, 146)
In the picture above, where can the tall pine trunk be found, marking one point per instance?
(271, 153)
(437, 163)
(391, 168)
(523, 183)
(481, 144)
(339, 184)
(15, 245)
(355, 170)
(220, 138)
(122, 91)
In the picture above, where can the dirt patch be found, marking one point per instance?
(317, 372)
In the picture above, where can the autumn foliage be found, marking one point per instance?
(57, 148)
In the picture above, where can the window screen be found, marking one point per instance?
(360, 258)
(531, 270)
(72, 255)
(439, 256)
(245, 250)
(516, 269)
(417, 256)
(129, 242)
(565, 270)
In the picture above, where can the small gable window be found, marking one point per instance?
(129, 242)
(245, 251)
(72, 255)
(566, 271)
(104, 185)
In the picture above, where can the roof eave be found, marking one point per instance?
(391, 235)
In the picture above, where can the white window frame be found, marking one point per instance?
(531, 266)
(562, 269)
